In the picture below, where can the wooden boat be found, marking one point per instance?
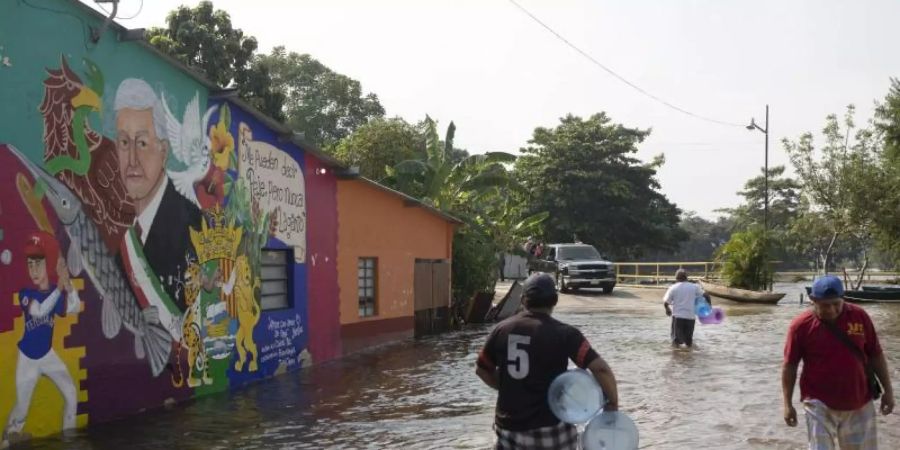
(871, 294)
(741, 295)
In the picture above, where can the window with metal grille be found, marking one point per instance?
(275, 274)
(368, 269)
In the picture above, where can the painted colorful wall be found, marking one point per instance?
(374, 222)
(134, 211)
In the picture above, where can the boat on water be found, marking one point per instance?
(741, 295)
(870, 294)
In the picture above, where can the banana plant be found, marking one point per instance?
(444, 183)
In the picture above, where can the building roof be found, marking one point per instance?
(217, 92)
(408, 200)
(285, 132)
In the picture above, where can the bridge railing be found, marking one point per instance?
(650, 274)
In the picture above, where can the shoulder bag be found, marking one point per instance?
(874, 383)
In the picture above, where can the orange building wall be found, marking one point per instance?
(374, 223)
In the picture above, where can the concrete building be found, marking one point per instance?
(160, 240)
(393, 264)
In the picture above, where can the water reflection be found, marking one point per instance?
(725, 394)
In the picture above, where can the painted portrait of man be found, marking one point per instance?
(163, 214)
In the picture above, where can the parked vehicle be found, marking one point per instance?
(576, 266)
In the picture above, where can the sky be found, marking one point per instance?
(498, 74)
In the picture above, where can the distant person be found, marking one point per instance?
(679, 303)
(840, 350)
(529, 246)
(522, 356)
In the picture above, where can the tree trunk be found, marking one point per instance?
(862, 272)
(828, 252)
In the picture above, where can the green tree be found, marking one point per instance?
(322, 104)
(887, 222)
(784, 198)
(585, 174)
(472, 188)
(704, 238)
(743, 260)
(204, 39)
(448, 184)
(841, 184)
(380, 144)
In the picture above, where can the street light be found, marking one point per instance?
(751, 127)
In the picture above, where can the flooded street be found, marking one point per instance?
(424, 394)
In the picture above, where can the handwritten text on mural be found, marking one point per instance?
(283, 348)
(276, 183)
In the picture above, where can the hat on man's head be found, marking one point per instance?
(41, 244)
(827, 287)
(539, 286)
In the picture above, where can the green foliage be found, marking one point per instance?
(445, 183)
(585, 174)
(887, 218)
(842, 187)
(379, 144)
(784, 199)
(704, 238)
(322, 104)
(204, 39)
(743, 260)
(255, 226)
(474, 265)
(478, 189)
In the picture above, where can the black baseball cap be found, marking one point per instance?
(539, 286)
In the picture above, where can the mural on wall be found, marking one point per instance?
(277, 185)
(47, 302)
(41, 303)
(133, 241)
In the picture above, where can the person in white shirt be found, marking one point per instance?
(679, 303)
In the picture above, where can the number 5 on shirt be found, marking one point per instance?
(517, 358)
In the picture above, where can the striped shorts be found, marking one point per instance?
(851, 430)
(561, 436)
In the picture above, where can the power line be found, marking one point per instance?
(140, 8)
(616, 75)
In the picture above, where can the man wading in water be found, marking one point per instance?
(522, 356)
(681, 296)
(840, 352)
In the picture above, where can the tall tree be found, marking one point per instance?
(841, 182)
(324, 105)
(380, 144)
(204, 39)
(475, 189)
(447, 184)
(887, 223)
(585, 174)
(784, 198)
(704, 238)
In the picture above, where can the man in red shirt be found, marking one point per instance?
(834, 385)
(522, 356)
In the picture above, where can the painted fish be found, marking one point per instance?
(87, 251)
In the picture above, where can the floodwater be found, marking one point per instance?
(726, 394)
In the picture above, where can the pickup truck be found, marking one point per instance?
(576, 266)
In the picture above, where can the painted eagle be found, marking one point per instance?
(83, 159)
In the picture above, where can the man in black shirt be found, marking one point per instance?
(522, 356)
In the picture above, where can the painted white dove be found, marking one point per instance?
(189, 145)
